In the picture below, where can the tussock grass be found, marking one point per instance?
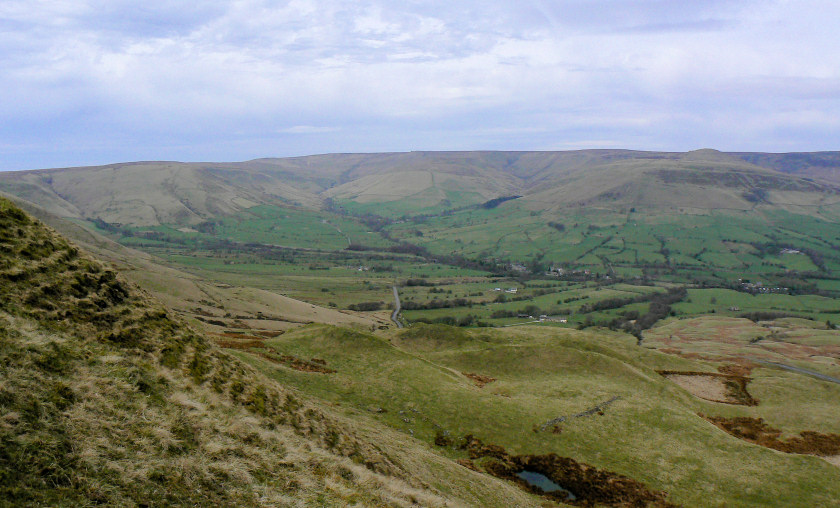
(105, 398)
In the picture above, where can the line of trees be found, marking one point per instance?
(366, 306)
(633, 322)
(436, 304)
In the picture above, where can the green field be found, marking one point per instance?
(775, 261)
(719, 245)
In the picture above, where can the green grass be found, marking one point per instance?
(295, 228)
(650, 435)
(653, 434)
(428, 201)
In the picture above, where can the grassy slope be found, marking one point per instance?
(821, 165)
(106, 398)
(151, 193)
(653, 434)
(207, 293)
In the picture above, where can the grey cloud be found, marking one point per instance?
(255, 77)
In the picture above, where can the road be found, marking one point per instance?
(396, 312)
(520, 324)
(799, 370)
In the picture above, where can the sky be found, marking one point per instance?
(86, 82)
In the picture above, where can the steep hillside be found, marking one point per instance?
(185, 194)
(820, 165)
(152, 193)
(202, 300)
(105, 398)
(703, 179)
(410, 192)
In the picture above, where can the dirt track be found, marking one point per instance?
(798, 369)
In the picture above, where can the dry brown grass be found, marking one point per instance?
(756, 430)
(726, 388)
(478, 379)
(105, 398)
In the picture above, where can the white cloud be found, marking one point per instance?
(645, 73)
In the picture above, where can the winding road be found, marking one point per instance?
(395, 314)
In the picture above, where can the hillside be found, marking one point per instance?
(108, 398)
(185, 194)
(201, 300)
(149, 193)
(296, 226)
(700, 180)
(820, 165)
(105, 398)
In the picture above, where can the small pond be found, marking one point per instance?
(544, 483)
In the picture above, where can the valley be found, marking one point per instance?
(597, 317)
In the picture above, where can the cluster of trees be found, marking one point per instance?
(755, 195)
(571, 299)
(503, 298)
(422, 252)
(208, 227)
(767, 315)
(611, 303)
(118, 229)
(418, 282)
(493, 203)
(660, 307)
(366, 306)
(657, 300)
(632, 321)
(528, 310)
(400, 248)
(558, 226)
